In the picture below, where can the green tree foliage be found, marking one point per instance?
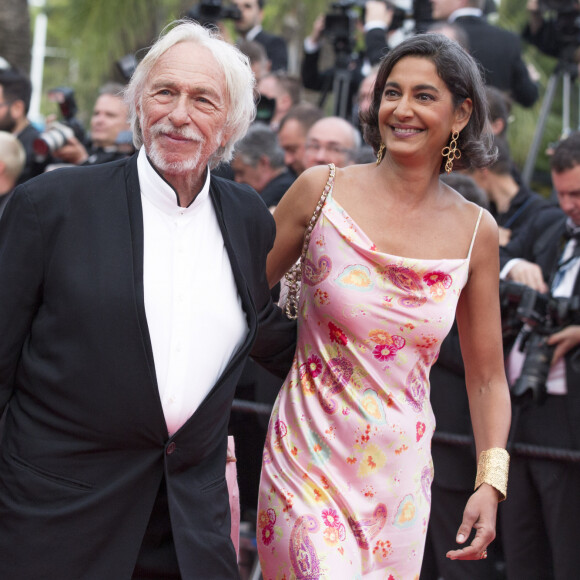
(513, 16)
(15, 33)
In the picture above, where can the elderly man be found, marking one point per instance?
(292, 133)
(331, 140)
(132, 293)
(259, 162)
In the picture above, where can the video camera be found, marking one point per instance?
(59, 132)
(340, 22)
(566, 17)
(210, 12)
(542, 315)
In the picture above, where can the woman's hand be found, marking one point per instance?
(480, 513)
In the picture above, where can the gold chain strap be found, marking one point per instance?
(294, 275)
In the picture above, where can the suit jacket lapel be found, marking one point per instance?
(133, 191)
(227, 225)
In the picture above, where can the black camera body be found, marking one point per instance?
(210, 12)
(565, 15)
(542, 315)
(340, 27)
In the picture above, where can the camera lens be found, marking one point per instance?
(51, 140)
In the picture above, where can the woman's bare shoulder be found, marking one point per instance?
(305, 192)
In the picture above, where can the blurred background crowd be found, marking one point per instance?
(63, 67)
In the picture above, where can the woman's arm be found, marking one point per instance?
(478, 318)
(292, 215)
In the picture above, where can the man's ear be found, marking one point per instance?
(497, 126)
(18, 109)
(264, 162)
(227, 135)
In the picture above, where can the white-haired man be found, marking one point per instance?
(132, 293)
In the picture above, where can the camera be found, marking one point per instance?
(340, 23)
(537, 316)
(565, 17)
(51, 140)
(59, 132)
(209, 12)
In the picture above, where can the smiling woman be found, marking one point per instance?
(393, 257)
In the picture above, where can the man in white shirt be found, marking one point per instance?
(541, 518)
(132, 293)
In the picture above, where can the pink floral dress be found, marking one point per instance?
(346, 476)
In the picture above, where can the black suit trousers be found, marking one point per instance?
(541, 516)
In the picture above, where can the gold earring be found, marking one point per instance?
(380, 153)
(451, 152)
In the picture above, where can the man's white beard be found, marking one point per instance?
(157, 154)
(184, 166)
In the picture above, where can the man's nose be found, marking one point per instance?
(321, 154)
(180, 112)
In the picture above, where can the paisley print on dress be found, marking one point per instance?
(357, 277)
(303, 555)
(406, 513)
(366, 530)
(313, 274)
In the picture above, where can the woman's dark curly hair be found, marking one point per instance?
(461, 75)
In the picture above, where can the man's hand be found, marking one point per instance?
(480, 514)
(317, 29)
(565, 340)
(529, 274)
(73, 151)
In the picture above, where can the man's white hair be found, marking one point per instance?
(240, 82)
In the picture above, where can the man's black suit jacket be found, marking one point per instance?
(499, 52)
(85, 443)
(542, 244)
(275, 49)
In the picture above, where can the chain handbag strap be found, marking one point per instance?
(294, 275)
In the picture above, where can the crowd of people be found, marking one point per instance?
(375, 273)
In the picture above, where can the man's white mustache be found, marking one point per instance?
(184, 132)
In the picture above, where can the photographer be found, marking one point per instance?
(553, 27)
(110, 136)
(15, 94)
(378, 16)
(249, 27)
(541, 518)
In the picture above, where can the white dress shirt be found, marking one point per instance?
(194, 313)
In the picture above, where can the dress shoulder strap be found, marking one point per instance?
(294, 275)
(475, 232)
